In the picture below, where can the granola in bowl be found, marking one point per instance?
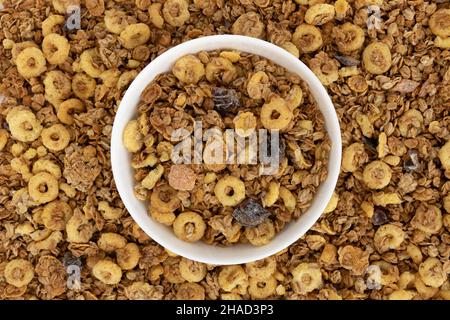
(199, 140)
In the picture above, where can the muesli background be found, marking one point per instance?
(385, 234)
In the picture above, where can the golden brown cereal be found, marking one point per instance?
(261, 269)
(229, 191)
(388, 236)
(78, 228)
(189, 226)
(319, 14)
(377, 58)
(55, 215)
(90, 63)
(249, 24)
(3, 138)
(128, 256)
(83, 86)
(432, 273)
(306, 277)
(18, 272)
(262, 288)
(444, 155)
(377, 175)
(43, 187)
(23, 124)
(156, 15)
(262, 234)
(107, 272)
(439, 23)
(220, 69)
(190, 291)
(49, 166)
(189, 69)
(428, 218)
(66, 108)
(258, 85)
(245, 124)
(307, 38)
(56, 48)
(110, 241)
(164, 199)
(51, 24)
(166, 218)
(134, 35)
(56, 137)
(192, 271)
(276, 115)
(348, 37)
(31, 62)
(176, 12)
(233, 279)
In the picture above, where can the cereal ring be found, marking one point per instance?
(348, 37)
(377, 175)
(55, 215)
(388, 236)
(176, 12)
(116, 20)
(262, 234)
(192, 271)
(110, 241)
(132, 138)
(56, 137)
(83, 86)
(181, 177)
(319, 14)
(233, 279)
(306, 277)
(262, 288)
(65, 109)
(109, 213)
(166, 218)
(78, 228)
(190, 291)
(3, 138)
(31, 63)
(50, 25)
(258, 85)
(291, 48)
(294, 97)
(57, 87)
(221, 70)
(135, 35)
(428, 218)
(91, 63)
(276, 115)
(424, 291)
(189, 226)
(229, 191)
(353, 157)
(189, 69)
(414, 253)
(19, 47)
(272, 194)
(324, 68)
(23, 124)
(377, 58)
(358, 83)
(440, 23)
(443, 43)
(444, 155)
(128, 256)
(244, 124)
(43, 187)
(249, 24)
(107, 272)
(262, 269)
(332, 204)
(56, 48)
(152, 178)
(164, 199)
(410, 124)
(44, 165)
(289, 200)
(431, 272)
(18, 272)
(155, 14)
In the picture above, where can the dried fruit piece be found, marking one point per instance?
(110, 241)
(307, 38)
(379, 217)
(181, 177)
(128, 256)
(152, 178)
(332, 204)
(189, 226)
(225, 100)
(377, 58)
(250, 213)
(132, 138)
(83, 86)
(272, 194)
(55, 215)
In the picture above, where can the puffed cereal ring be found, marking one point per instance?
(110, 241)
(107, 272)
(294, 97)
(377, 175)
(115, 20)
(23, 124)
(57, 87)
(190, 291)
(220, 69)
(431, 272)
(108, 212)
(91, 63)
(43, 187)
(66, 108)
(440, 23)
(56, 137)
(50, 24)
(307, 38)
(19, 47)
(176, 12)
(31, 63)
(444, 155)
(377, 58)
(135, 35)
(388, 236)
(132, 138)
(229, 191)
(276, 114)
(189, 226)
(306, 277)
(55, 215)
(18, 272)
(249, 24)
(349, 37)
(428, 218)
(262, 234)
(166, 218)
(44, 165)
(83, 86)
(56, 48)
(155, 14)
(262, 269)
(410, 124)
(164, 199)
(3, 138)
(78, 228)
(189, 69)
(262, 288)
(353, 156)
(128, 256)
(244, 124)
(192, 271)
(319, 14)
(258, 85)
(272, 194)
(233, 279)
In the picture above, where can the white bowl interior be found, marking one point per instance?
(199, 251)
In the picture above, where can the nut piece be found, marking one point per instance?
(181, 177)
(377, 58)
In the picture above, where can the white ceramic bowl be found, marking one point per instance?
(199, 251)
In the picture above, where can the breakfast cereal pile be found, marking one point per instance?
(227, 195)
(64, 232)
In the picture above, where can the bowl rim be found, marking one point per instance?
(217, 255)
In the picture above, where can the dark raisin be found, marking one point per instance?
(226, 101)
(379, 217)
(347, 61)
(371, 144)
(411, 164)
(69, 260)
(250, 213)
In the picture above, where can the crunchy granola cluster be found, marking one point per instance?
(385, 234)
(226, 198)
